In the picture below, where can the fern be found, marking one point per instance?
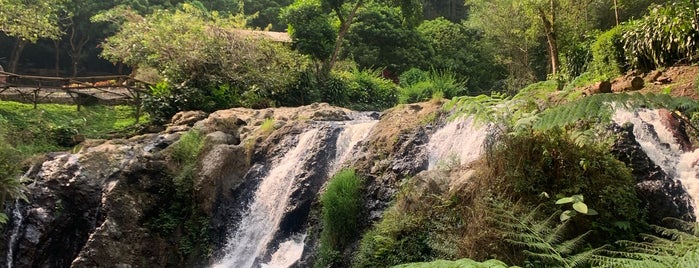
(599, 108)
(542, 240)
(669, 247)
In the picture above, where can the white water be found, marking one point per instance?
(17, 219)
(288, 253)
(352, 133)
(257, 227)
(662, 148)
(459, 142)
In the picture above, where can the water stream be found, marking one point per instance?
(257, 227)
(459, 142)
(663, 149)
(251, 241)
(16, 218)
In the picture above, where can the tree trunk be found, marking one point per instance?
(16, 54)
(76, 48)
(616, 12)
(57, 58)
(344, 28)
(550, 30)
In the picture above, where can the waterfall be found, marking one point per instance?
(256, 229)
(459, 142)
(662, 148)
(16, 218)
(352, 133)
(251, 241)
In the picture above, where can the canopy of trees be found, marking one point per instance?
(493, 45)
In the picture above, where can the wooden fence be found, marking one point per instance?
(109, 90)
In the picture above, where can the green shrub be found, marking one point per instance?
(416, 92)
(341, 203)
(166, 100)
(527, 164)
(663, 37)
(463, 263)
(608, 59)
(442, 84)
(412, 76)
(362, 90)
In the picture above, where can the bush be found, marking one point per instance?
(527, 164)
(360, 90)
(663, 37)
(341, 208)
(435, 83)
(608, 54)
(412, 76)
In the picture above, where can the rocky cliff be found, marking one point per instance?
(108, 203)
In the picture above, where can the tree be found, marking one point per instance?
(378, 39)
(346, 10)
(28, 21)
(511, 33)
(192, 49)
(460, 50)
(310, 30)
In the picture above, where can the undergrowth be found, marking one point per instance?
(341, 209)
(179, 215)
(52, 127)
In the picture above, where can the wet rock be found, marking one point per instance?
(659, 193)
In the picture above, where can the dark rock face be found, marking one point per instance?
(84, 206)
(661, 194)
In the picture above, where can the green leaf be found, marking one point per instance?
(580, 207)
(566, 215)
(578, 198)
(592, 212)
(564, 200)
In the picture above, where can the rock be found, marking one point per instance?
(222, 170)
(220, 137)
(677, 127)
(187, 118)
(659, 193)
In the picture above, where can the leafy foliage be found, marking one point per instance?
(599, 108)
(31, 20)
(459, 50)
(192, 49)
(378, 39)
(608, 59)
(360, 90)
(675, 246)
(443, 83)
(455, 264)
(310, 29)
(543, 240)
(528, 163)
(341, 209)
(662, 38)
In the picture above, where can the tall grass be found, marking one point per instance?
(341, 207)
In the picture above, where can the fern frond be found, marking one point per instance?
(569, 246)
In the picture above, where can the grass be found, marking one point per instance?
(341, 207)
(51, 127)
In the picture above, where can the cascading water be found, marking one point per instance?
(251, 241)
(659, 143)
(459, 142)
(16, 219)
(257, 227)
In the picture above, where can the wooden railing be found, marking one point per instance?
(110, 89)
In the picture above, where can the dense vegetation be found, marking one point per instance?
(512, 63)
